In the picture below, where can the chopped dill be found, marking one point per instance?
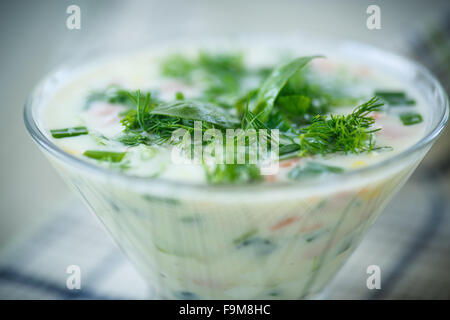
(350, 133)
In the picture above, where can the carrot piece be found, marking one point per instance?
(288, 163)
(284, 222)
(271, 178)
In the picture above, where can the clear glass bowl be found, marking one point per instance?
(205, 242)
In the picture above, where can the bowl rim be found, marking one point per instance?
(43, 141)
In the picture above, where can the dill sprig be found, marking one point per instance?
(350, 133)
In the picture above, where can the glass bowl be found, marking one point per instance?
(222, 242)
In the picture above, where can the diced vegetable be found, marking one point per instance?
(288, 163)
(285, 222)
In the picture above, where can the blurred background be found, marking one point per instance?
(37, 209)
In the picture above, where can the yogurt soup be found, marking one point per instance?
(238, 234)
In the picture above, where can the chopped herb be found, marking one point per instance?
(113, 94)
(315, 264)
(315, 234)
(105, 155)
(191, 219)
(223, 73)
(161, 249)
(179, 96)
(68, 132)
(289, 149)
(311, 169)
(169, 201)
(221, 63)
(245, 236)
(177, 66)
(272, 86)
(233, 174)
(286, 100)
(260, 246)
(154, 123)
(410, 118)
(122, 165)
(323, 91)
(196, 110)
(395, 98)
(132, 138)
(340, 133)
(294, 104)
(143, 107)
(99, 139)
(211, 65)
(242, 102)
(251, 121)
